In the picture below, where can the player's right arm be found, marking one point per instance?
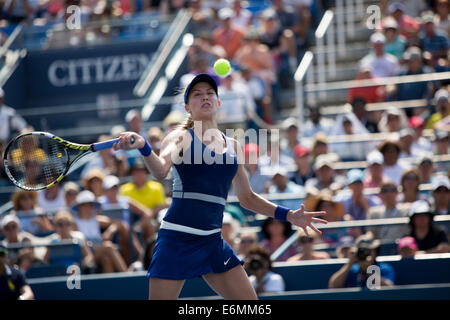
(171, 146)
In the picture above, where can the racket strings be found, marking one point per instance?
(35, 161)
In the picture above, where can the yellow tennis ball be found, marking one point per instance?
(59, 155)
(222, 67)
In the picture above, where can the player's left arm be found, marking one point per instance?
(254, 202)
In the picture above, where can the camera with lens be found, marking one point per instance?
(362, 254)
(255, 264)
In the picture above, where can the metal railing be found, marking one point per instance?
(10, 54)
(168, 56)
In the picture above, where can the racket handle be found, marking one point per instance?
(107, 144)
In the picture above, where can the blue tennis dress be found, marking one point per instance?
(189, 242)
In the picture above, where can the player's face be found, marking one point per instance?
(203, 101)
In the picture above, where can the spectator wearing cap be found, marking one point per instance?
(442, 17)
(13, 285)
(344, 247)
(412, 90)
(291, 136)
(227, 35)
(280, 184)
(155, 136)
(441, 195)
(407, 247)
(407, 25)
(390, 209)
(420, 143)
(316, 123)
(134, 122)
(93, 181)
(410, 182)
(381, 64)
(406, 139)
(281, 43)
(246, 241)
(429, 237)
(111, 199)
(375, 175)
(324, 201)
(133, 210)
(71, 190)
(11, 228)
(10, 122)
(359, 109)
(319, 146)
(355, 272)
(325, 175)
(356, 204)
(147, 192)
(441, 100)
(441, 143)
(393, 167)
(425, 166)
(275, 233)
(242, 17)
(395, 43)
(431, 41)
(89, 223)
(172, 121)
(64, 227)
(348, 150)
(302, 158)
(306, 244)
(393, 120)
(257, 180)
(239, 105)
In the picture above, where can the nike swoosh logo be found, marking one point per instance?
(226, 262)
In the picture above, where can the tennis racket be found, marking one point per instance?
(38, 160)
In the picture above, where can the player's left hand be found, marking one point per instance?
(304, 219)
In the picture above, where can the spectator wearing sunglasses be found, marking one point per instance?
(390, 209)
(441, 195)
(306, 244)
(246, 241)
(410, 187)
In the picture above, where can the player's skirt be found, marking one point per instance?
(179, 255)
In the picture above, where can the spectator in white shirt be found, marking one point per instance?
(393, 167)
(381, 64)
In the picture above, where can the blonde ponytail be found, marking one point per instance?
(188, 122)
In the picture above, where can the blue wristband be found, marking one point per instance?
(146, 150)
(281, 213)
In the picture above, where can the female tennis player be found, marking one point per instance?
(189, 241)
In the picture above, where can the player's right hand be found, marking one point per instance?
(126, 141)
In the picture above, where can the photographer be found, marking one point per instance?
(258, 264)
(354, 273)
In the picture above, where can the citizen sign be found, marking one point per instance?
(62, 73)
